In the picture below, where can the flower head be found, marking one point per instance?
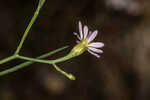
(85, 42)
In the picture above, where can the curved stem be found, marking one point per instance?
(41, 3)
(70, 76)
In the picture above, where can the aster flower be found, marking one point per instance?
(85, 42)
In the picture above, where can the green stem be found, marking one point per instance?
(7, 59)
(62, 59)
(70, 76)
(41, 3)
(27, 63)
(46, 61)
(33, 59)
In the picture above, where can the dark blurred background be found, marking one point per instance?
(122, 72)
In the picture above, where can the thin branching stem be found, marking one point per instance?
(62, 59)
(27, 63)
(41, 3)
(38, 59)
(7, 59)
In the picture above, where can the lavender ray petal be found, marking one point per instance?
(90, 33)
(77, 35)
(97, 44)
(92, 36)
(94, 54)
(80, 30)
(95, 50)
(85, 31)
